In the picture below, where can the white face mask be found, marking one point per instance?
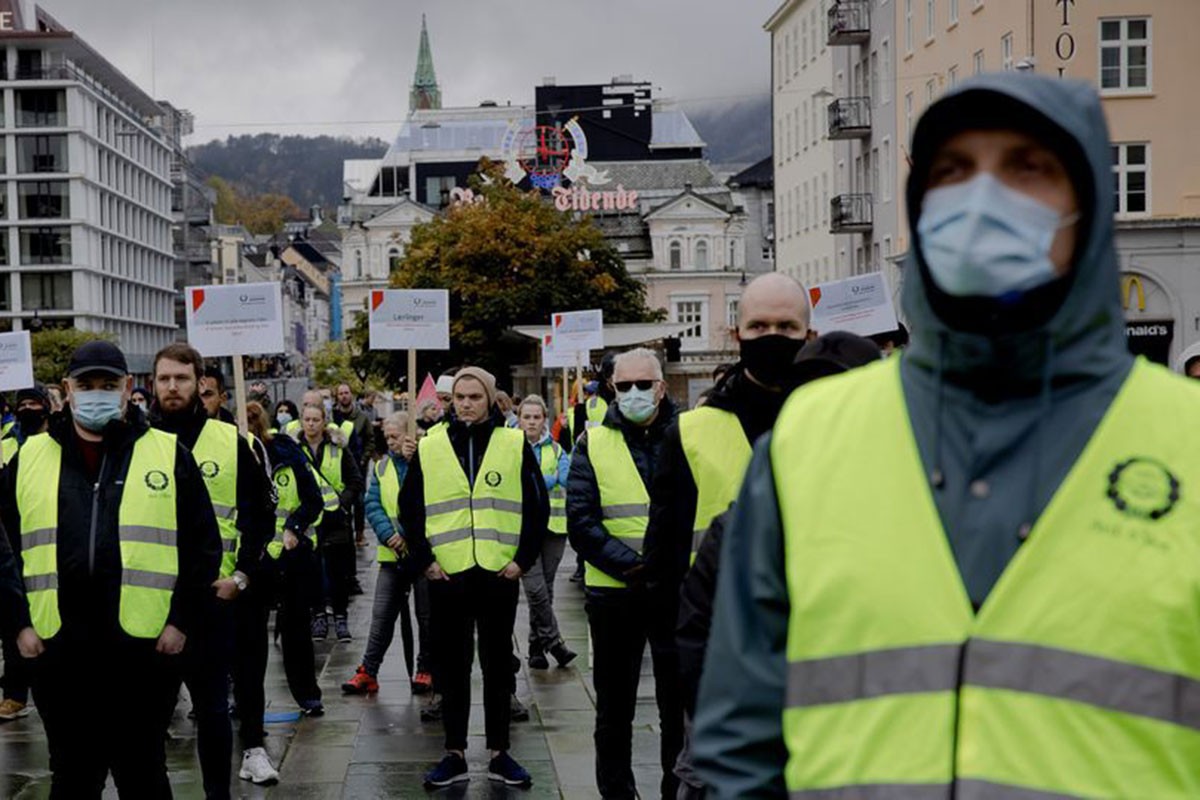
(980, 238)
(637, 405)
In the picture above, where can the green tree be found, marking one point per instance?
(52, 349)
(512, 259)
(260, 213)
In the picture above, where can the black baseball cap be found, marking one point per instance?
(834, 352)
(37, 393)
(97, 356)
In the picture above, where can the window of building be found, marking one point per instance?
(358, 265)
(885, 71)
(43, 291)
(816, 122)
(691, 313)
(873, 89)
(42, 153)
(1125, 53)
(44, 199)
(788, 131)
(952, 13)
(787, 56)
(702, 254)
(908, 116)
(1006, 51)
(952, 76)
(805, 138)
(675, 252)
(825, 199)
(885, 170)
(45, 245)
(393, 258)
(41, 108)
(732, 262)
(930, 92)
(977, 62)
(908, 26)
(930, 18)
(875, 171)
(731, 311)
(437, 190)
(1131, 178)
(804, 42)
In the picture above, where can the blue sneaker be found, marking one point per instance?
(504, 768)
(312, 708)
(451, 769)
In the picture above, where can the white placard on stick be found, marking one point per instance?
(861, 305)
(236, 319)
(577, 331)
(556, 357)
(16, 361)
(410, 319)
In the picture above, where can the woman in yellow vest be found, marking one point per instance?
(538, 582)
(337, 472)
(397, 577)
(971, 572)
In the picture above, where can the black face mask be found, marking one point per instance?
(31, 420)
(769, 359)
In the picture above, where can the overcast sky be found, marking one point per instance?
(243, 66)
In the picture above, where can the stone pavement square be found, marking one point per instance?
(377, 747)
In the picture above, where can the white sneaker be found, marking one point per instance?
(256, 767)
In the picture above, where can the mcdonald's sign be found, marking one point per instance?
(1129, 285)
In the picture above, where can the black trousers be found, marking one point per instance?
(475, 600)
(86, 744)
(251, 614)
(298, 585)
(16, 673)
(621, 622)
(339, 561)
(206, 662)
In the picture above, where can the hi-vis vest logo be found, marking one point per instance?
(210, 469)
(283, 479)
(492, 478)
(1143, 488)
(157, 480)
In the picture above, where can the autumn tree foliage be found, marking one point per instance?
(510, 258)
(259, 214)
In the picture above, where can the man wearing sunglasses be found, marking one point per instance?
(608, 507)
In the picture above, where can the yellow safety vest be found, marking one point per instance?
(624, 501)
(8, 449)
(293, 429)
(328, 474)
(473, 525)
(438, 427)
(288, 494)
(215, 452)
(549, 457)
(389, 496)
(1080, 674)
(346, 427)
(146, 530)
(718, 454)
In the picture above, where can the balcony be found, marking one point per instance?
(851, 213)
(850, 118)
(850, 22)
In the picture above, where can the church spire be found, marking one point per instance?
(425, 92)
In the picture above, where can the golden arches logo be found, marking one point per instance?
(1129, 285)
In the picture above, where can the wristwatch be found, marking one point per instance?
(240, 581)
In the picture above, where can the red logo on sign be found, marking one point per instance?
(197, 299)
(815, 294)
(558, 320)
(376, 299)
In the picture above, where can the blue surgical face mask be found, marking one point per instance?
(980, 238)
(637, 405)
(283, 418)
(95, 409)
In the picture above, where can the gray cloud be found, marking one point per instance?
(243, 66)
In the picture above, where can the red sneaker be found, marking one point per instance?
(422, 683)
(363, 682)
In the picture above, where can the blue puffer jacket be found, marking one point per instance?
(381, 523)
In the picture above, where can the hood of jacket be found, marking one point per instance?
(285, 451)
(1083, 339)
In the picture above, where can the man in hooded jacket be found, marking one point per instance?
(911, 611)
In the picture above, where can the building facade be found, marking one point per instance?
(1140, 56)
(85, 192)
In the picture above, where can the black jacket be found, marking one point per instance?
(470, 443)
(695, 611)
(673, 495)
(89, 560)
(584, 519)
(283, 452)
(14, 611)
(255, 509)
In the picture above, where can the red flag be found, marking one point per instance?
(428, 392)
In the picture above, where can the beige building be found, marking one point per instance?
(1143, 57)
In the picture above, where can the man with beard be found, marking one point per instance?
(240, 496)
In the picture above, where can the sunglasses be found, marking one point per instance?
(625, 386)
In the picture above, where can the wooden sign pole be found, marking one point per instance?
(412, 392)
(239, 391)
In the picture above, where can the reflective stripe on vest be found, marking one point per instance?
(215, 452)
(329, 475)
(1079, 676)
(718, 453)
(596, 408)
(468, 525)
(146, 531)
(389, 497)
(624, 501)
(288, 501)
(549, 456)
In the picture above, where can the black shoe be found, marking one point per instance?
(355, 588)
(504, 769)
(451, 769)
(562, 654)
(537, 657)
(517, 710)
(312, 708)
(577, 576)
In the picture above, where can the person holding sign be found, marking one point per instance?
(241, 500)
(120, 548)
(608, 506)
(474, 510)
(341, 482)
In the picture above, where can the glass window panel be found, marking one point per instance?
(1137, 28)
(1135, 203)
(1135, 154)
(1110, 30)
(1135, 182)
